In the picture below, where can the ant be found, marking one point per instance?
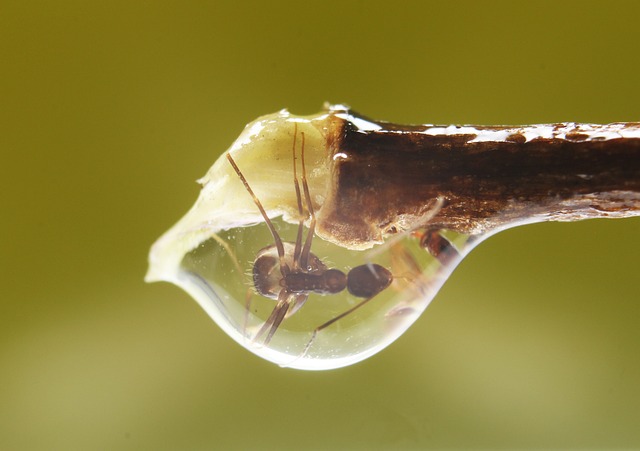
(289, 272)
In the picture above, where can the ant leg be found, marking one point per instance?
(236, 264)
(284, 268)
(330, 322)
(296, 184)
(404, 265)
(229, 251)
(304, 258)
(247, 309)
(276, 317)
(364, 281)
(408, 279)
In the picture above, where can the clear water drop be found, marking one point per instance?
(218, 274)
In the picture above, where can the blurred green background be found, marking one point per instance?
(110, 110)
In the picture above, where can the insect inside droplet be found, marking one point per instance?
(317, 241)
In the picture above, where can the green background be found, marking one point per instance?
(110, 110)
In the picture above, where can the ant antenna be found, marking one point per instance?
(307, 197)
(298, 248)
(276, 237)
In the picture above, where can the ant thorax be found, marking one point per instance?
(268, 277)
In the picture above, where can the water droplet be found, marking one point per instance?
(219, 275)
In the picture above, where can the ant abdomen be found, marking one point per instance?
(365, 281)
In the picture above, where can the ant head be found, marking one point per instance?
(266, 275)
